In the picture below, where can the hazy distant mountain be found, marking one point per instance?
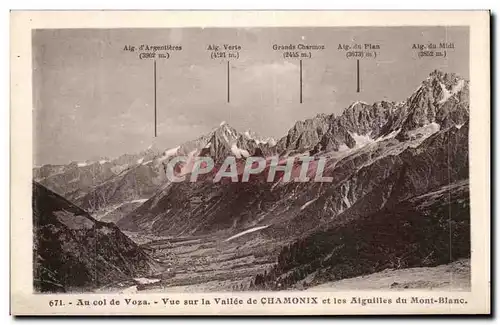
(76, 179)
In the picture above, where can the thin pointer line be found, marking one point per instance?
(301, 81)
(155, 94)
(228, 89)
(357, 74)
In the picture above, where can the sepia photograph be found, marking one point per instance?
(389, 208)
(241, 160)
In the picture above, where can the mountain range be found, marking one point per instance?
(399, 169)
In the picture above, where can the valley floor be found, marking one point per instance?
(216, 264)
(206, 264)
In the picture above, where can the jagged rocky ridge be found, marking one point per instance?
(110, 189)
(442, 100)
(386, 163)
(401, 167)
(73, 252)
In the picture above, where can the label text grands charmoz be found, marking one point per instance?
(293, 47)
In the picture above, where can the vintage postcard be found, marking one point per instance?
(250, 163)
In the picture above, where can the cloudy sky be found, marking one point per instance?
(91, 99)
